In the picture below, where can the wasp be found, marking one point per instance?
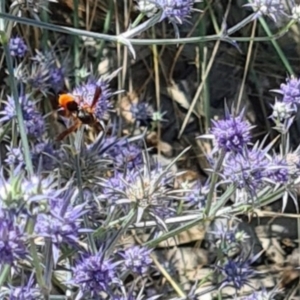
(80, 111)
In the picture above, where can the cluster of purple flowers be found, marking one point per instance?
(13, 239)
(17, 47)
(149, 190)
(72, 211)
(94, 274)
(248, 167)
(33, 119)
(43, 73)
(123, 153)
(288, 105)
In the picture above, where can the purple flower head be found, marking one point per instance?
(43, 152)
(291, 91)
(137, 259)
(123, 153)
(26, 292)
(115, 183)
(231, 134)
(176, 11)
(196, 196)
(37, 188)
(146, 187)
(94, 274)
(228, 239)
(246, 170)
(44, 74)
(87, 92)
(236, 273)
(33, 119)
(12, 239)
(142, 112)
(14, 156)
(56, 78)
(17, 47)
(113, 188)
(62, 224)
(278, 171)
(143, 189)
(270, 8)
(38, 76)
(262, 295)
(282, 111)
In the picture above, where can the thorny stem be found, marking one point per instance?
(137, 20)
(78, 146)
(124, 38)
(126, 223)
(213, 182)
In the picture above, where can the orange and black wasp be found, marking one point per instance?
(77, 108)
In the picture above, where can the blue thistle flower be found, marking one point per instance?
(44, 74)
(236, 273)
(278, 171)
(142, 112)
(282, 111)
(262, 295)
(33, 119)
(270, 8)
(231, 134)
(290, 91)
(246, 170)
(176, 11)
(146, 190)
(14, 156)
(17, 47)
(87, 92)
(196, 196)
(94, 274)
(123, 153)
(114, 189)
(44, 152)
(56, 78)
(62, 224)
(12, 239)
(25, 292)
(137, 259)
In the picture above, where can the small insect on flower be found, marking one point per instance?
(80, 111)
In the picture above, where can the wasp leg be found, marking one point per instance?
(99, 126)
(69, 130)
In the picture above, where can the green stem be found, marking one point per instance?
(4, 274)
(137, 20)
(279, 51)
(126, 223)
(213, 182)
(76, 58)
(78, 146)
(123, 38)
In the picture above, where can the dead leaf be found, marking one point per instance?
(179, 96)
